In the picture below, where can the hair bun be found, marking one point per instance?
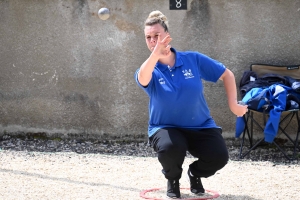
(158, 15)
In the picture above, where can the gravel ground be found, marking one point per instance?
(35, 168)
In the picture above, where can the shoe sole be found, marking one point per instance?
(173, 197)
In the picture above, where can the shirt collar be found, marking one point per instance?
(178, 61)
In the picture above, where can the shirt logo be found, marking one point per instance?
(188, 74)
(161, 81)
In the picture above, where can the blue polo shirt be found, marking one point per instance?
(176, 94)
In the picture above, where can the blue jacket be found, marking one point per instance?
(273, 99)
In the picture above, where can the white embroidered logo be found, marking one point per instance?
(188, 74)
(161, 81)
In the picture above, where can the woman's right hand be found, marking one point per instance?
(162, 48)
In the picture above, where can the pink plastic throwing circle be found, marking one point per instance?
(214, 194)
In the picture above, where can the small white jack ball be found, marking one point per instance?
(103, 13)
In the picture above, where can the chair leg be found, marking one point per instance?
(282, 151)
(246, 129)
(242, 145)
(243, 138)
(253, 147)
(249, 115)
(297, 137)
(290, 116)
(296, 145)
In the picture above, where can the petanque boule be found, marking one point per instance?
(103, 13)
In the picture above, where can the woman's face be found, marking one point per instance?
(151, 35)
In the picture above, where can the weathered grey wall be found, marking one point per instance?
(63, 70)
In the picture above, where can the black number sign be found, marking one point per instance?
(178, 4)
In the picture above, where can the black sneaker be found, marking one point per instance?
(196, 184)
(173, 190)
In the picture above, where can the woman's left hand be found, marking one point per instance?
(238, 109)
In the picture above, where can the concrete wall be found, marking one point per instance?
(65, 71)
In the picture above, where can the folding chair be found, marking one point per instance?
(258, 118)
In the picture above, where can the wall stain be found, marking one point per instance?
(80, 8)
(126, 26)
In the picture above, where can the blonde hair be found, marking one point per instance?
(156, 17)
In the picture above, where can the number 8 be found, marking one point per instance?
(178, 3)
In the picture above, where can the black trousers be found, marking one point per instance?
(208, 145)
